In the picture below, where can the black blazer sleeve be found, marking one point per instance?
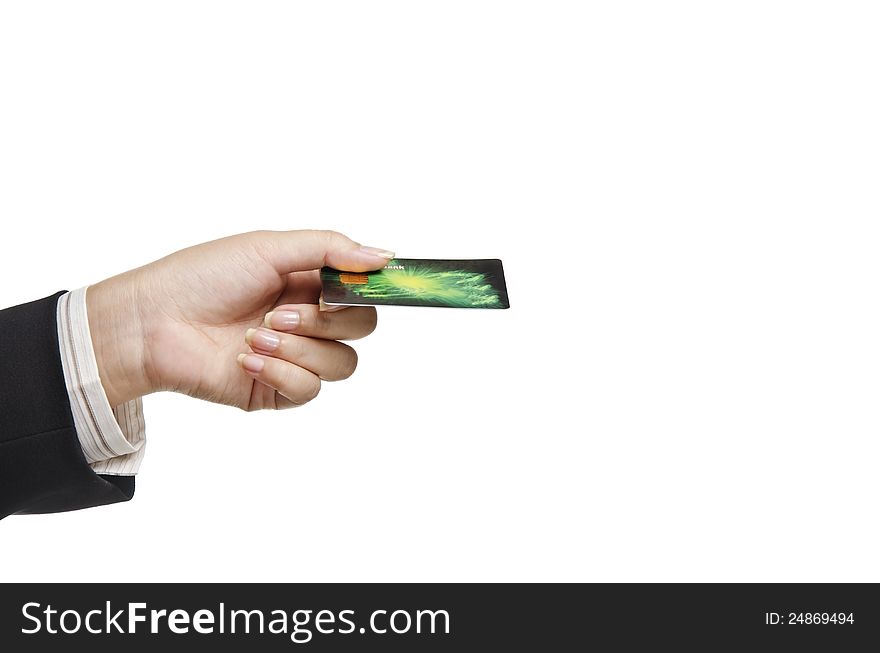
(42, 467)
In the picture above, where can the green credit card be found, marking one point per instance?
(471, 283)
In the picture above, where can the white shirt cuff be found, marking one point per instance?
(113, 438)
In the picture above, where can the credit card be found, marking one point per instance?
(470, 283)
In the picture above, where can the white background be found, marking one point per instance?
(685, 197)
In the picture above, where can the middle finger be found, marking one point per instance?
(306, 320)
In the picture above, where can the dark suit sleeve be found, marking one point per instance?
(42, 467)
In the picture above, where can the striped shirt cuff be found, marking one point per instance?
(112, 438)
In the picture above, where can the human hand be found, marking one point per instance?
(196, 321)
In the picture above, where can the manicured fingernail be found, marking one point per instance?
(377, 251)
(251, 363)
(282, 320)
(262, 339)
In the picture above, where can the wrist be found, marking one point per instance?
(117, 332)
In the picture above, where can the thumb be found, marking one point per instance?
(296, 251)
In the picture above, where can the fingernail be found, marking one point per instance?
(377, 251)
(251, 363)
(282, 320)
(262, 339)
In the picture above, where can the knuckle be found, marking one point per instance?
(259, 238)
(312, 389)
(292, 347)
(297, 384)
(327, 237)
(320, 320)
(288, 377)
(349, 364)
(261, 242)
(370, 321)
(275, 373)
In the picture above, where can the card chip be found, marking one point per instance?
(357, 279)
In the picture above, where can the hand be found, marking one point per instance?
(196, 321)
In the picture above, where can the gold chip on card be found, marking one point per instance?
(358, 279)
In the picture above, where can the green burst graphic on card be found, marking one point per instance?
(472, 283)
